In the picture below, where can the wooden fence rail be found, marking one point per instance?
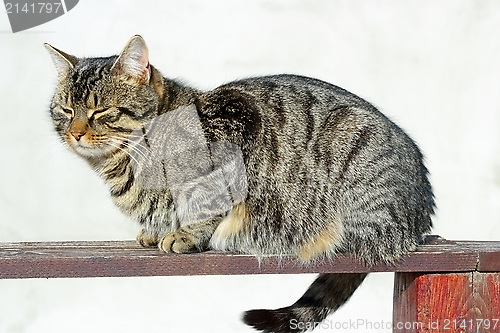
(444, 286)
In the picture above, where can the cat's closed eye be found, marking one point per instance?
(94, 114)
(68, 112)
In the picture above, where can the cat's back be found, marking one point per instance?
(286, 108)
(294, 93)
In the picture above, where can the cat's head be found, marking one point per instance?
(99, 101)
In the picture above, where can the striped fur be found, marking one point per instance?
(283, 165)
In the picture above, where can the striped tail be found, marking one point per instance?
(325, 295)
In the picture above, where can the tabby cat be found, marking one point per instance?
(284, 165)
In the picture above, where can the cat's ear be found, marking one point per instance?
(64, 62)
(133, 63)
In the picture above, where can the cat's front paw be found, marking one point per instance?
(178, 242)
(146, 240)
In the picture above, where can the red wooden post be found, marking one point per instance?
(487, 298)
(446, 302)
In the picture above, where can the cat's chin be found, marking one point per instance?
(93, 152)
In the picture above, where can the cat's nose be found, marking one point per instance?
(77, 134)
(78, 129)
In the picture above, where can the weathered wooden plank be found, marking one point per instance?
(125, 258)
(489, 254)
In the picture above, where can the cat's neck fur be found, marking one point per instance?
(172, 93)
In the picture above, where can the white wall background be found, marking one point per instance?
(432, 66)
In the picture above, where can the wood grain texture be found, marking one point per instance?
(487, 302)
(446, 302)
(125, 258)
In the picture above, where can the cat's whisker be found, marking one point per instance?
(133, 148)
(53, 146)
(138, 136)
(139, 154)
(136, 150)
(130, 143)
(123, 150)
